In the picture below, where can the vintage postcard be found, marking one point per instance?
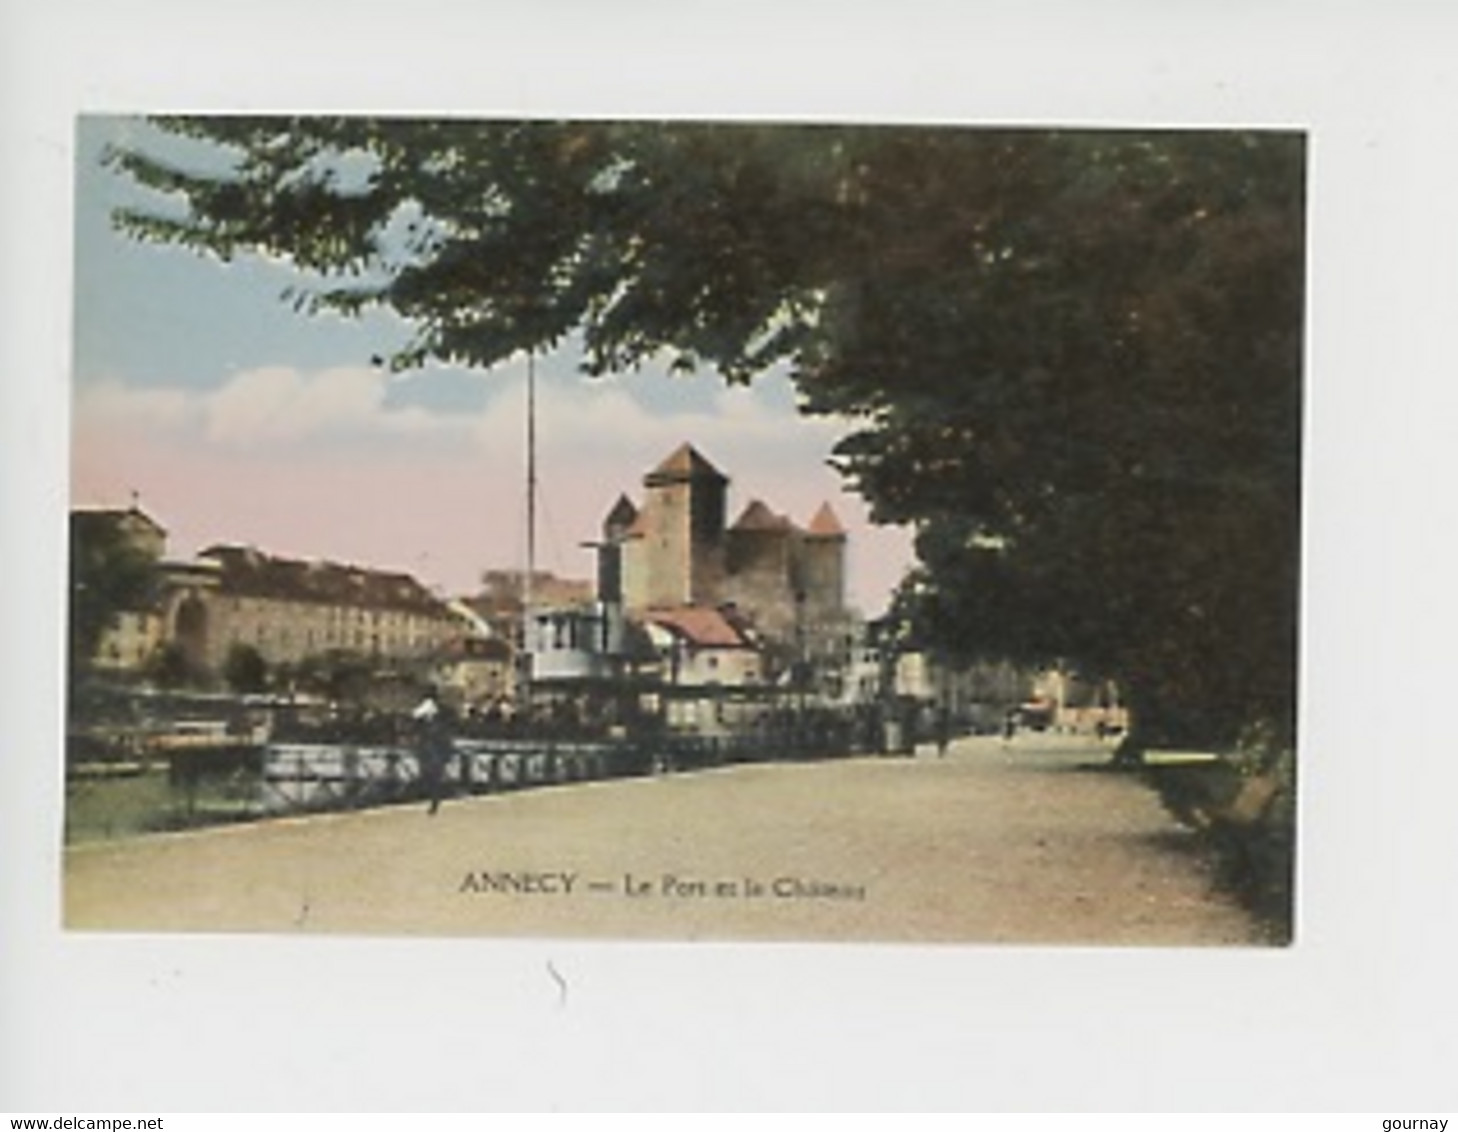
(685, 530)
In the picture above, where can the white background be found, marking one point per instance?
(1358, 1015)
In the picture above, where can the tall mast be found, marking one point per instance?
(531, 531)
(531, 472)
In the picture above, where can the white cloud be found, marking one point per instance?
(612, 418)
(271, 407)
(118, 407)
(280, 405)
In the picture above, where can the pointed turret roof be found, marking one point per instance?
(825, 524)
(684, 463)
(758, 517)
(621, 517)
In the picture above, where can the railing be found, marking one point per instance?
(312, 776)
(332, 775)
(347, 767)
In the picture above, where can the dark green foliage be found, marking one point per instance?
(109, 575)
(169, 667)
(244, 669)
(340, 676)
(1074, 357)
(1243, 809)
(1105, 466)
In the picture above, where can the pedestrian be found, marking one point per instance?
(433, 746)
(1010, 726)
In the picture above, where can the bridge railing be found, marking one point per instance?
(330, 775)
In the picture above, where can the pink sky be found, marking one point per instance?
(313, 464)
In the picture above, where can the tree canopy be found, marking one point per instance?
(1074, 356)
(244, 669)
(110, 574)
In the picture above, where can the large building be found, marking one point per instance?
(289, 609)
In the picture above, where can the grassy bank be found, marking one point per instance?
(1245, 812)
(134, 801)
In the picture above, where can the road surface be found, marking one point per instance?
(995, 843)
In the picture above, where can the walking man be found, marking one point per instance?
(1010, 725)
(433, 746)
(943, 730)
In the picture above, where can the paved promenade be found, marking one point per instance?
(1021, 843)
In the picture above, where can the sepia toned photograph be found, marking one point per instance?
(685, 530)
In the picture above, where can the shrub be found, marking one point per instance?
(1244, 806)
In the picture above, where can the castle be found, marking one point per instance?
(675, 549)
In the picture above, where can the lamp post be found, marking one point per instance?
(801, 670)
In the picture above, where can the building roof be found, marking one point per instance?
(248, 572)
(700, 626)
(825, 524)
(684, 463)
(621, 517)
(758, 517)
(479, 626)
(121, 516)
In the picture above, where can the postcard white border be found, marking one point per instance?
(1357, 1015)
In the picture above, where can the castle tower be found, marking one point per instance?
(615, 529)
(760, 560)
(682, 529)
(822, 564)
